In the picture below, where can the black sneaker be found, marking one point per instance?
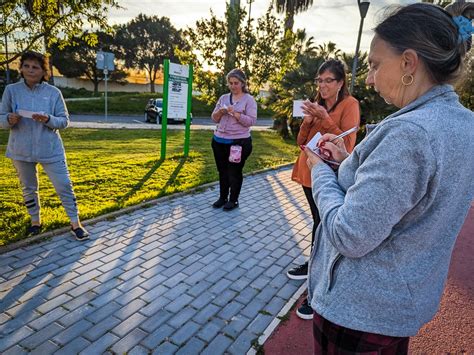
(33, 230)
(80, 233)
(219, 203)
(305, 311)
(299, 272)
(229, 206)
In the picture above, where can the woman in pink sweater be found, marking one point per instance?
(234, 114)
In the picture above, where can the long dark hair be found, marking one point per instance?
(338, 70)
(38, 57)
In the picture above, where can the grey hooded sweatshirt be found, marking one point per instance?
(29, 140)
(390, 219)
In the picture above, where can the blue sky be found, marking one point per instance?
(327, 20)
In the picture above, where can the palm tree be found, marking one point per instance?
(290, 8)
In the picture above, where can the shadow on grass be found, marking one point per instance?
(140, 184)
(173, 175)
(121, 201)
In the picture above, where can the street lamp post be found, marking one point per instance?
(7, 72)
(363, 8)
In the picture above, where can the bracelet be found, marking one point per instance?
(49, 117)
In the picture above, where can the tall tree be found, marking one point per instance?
(290, 8)
(37, 24)
(233, 21)
(257, 49)
(79, 59)
(146, 41)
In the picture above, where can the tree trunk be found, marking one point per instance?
(232, 17)
(96, 87)
(284, 128)
(289, 20)
(152, 75)
(49, 58)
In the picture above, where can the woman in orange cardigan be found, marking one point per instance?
(334, 111)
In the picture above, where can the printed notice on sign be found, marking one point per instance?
(177, 97)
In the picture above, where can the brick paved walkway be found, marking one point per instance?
(177, 277)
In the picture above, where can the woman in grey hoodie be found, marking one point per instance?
(390, 218)
(34, 111)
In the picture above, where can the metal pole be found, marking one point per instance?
(356, 56)
(164, 117)
(7, 73)
(187, 132)
(106, 71)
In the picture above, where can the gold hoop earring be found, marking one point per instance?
(408, 77)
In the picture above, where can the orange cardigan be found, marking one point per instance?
(346, 115)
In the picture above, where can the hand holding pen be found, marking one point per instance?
(332, 146)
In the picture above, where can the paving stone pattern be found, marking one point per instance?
(179, 277)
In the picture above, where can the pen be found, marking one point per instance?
(345, 133)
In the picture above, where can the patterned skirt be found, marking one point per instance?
(330, 338)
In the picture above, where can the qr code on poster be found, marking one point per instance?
(176, 87)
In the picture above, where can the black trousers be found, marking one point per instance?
(314, 211)
(230, 174)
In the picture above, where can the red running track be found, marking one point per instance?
(451, 331)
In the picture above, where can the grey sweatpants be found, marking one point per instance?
(58, 174)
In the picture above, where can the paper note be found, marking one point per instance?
(313, 145)
(26, 113)
(298, 108)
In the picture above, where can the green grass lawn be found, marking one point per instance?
(112, 169)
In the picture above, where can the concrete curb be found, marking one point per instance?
(56, 232)
(104, 125)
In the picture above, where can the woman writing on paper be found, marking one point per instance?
(390, 218)
(34, 111)
(333, 111)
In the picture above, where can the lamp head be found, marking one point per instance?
(363, 7)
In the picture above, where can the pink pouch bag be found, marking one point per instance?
(235, 153)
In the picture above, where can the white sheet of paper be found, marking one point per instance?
(298, 108)
(26, 113)
(312, 144)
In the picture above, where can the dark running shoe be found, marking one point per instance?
(229, 206)
(33, 230)
(305, 311)
(80, 233)
(299, 272)
(219, 203)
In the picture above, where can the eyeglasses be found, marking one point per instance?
(319, 81)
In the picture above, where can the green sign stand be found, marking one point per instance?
(176, 103)
(187, 132)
